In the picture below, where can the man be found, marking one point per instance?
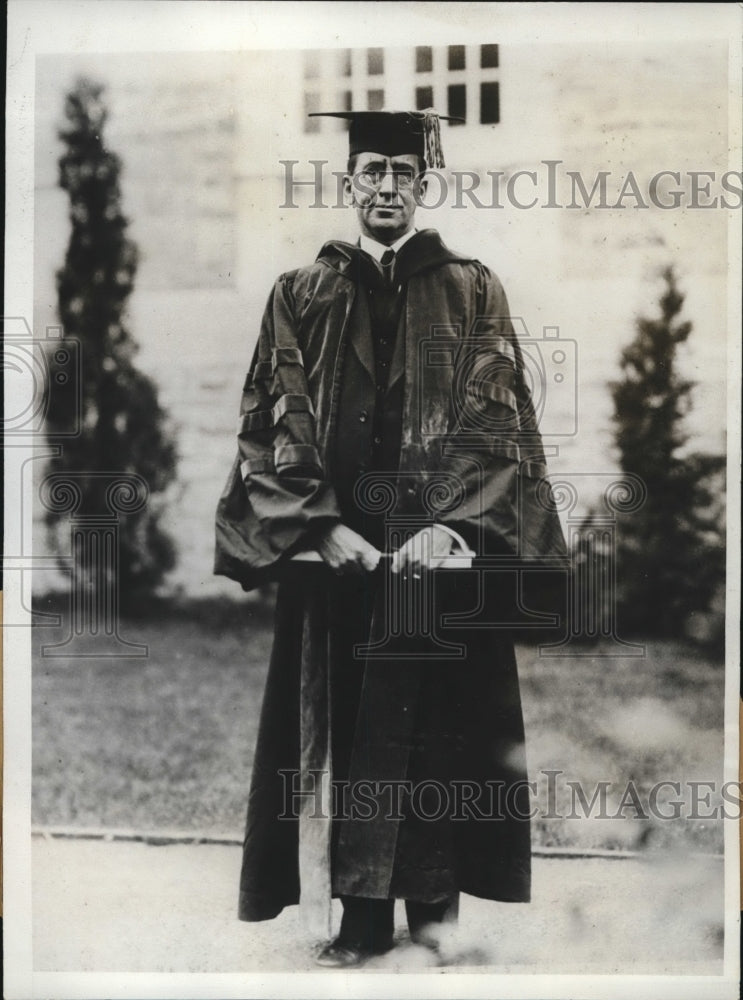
(386, 412)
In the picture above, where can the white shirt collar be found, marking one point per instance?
(375, 249)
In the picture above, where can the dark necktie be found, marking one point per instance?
(387, 262)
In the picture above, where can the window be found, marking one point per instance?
(343, 57)
(343, 102)
(489, 103)
(456, 57)
(311, 103)
(423, 59)
(374, 61)
(457, 101)
(488, 56)
(375, 100)
(423, 98)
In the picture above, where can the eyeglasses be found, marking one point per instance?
(403, 179)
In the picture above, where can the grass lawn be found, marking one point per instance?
(167, 741)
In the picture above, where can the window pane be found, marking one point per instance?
(311, 103)
(423, 98)
(457, 101)
(343, 103)
(489, 104)
(423, 59)
(456, 57)
(374, 61)
(343, 62)
(311, 65)
(374, 100)
(489, 56)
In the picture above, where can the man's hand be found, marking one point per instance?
(345, 551)
(422, 552)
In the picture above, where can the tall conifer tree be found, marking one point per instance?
(671, 551)
(122, 426)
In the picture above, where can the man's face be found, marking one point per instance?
(383, 190)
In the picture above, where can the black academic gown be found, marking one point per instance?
(425, 722)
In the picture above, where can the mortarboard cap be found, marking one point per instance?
(394, 133)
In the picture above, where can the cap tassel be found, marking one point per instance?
(434, 152)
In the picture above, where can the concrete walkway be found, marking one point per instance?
(128, 906)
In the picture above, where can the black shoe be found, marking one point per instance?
(342, 955)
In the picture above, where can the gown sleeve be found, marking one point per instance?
(277, 447)
(499, 498)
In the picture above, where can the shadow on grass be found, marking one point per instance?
(215, 613)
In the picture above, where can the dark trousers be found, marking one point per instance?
(370, 923)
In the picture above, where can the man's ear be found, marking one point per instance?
(348, 190)
(421, 186)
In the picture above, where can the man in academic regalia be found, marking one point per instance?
(386, 412)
